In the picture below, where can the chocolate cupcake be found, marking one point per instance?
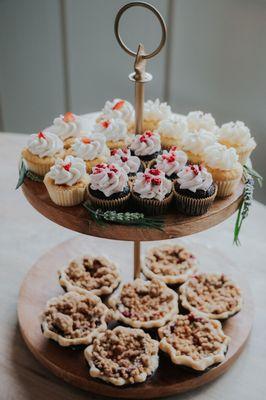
(108, 188)
(152, 192)
(170, 162)
(147, 146)
(130, 164)
(194, 190)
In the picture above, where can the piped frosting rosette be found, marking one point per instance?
(222, 163)
(172, 131)
(154, 112)
(195, 143)
(108, 187)
(171, 162)
(152, 191)
(197, 120)
(41, 151)
(114, 130)
(123, 158)
(118, 108)
(67, 127)
(67, 181)
(194, 190)
(237, 135)
(146, 146)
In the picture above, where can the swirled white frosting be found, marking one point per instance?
(194, 177)
(196, 142)
(125, 160)
(118, 108)
(174, 127)
(44, 144)
(146, 144)
(112, 129)
(90, 147)
(68, 171)
(198, 120)
(170, 162)
(218, 156)
(66, 126)
(156, 111)
(236, 134)
(108, 178)
(152, 184)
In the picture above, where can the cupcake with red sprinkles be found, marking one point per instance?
(108, 188)
(146, 146)
(170, 162)
(152, 192)
(130, 164)
(194, 190)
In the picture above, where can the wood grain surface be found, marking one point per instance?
(41, 284)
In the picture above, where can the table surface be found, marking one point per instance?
(25, 235)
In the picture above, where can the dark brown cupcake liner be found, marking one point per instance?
(151, 206)
(191, 206)
(118, 204)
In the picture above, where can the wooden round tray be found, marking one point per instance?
(41, 284)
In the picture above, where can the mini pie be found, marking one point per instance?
(74, 319)
(211, 295)
(144, 304)
(194, 342)
(90, 275)
(172, 264)
(122, 356)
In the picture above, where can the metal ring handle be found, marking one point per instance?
(157, 14)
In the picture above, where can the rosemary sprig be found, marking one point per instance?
(126, 218)
(23, 172)
(254, 174)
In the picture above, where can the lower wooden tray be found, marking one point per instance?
(41, 283)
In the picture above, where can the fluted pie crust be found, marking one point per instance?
(122, 356)
(74, 319)
(144, 304)
(89, 274)
(194, 342)
(211, 295)
(173, 264)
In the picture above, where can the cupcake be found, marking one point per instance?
(92, 149)
(67, 181)
(118, 108)
(146, 146)
(130, 164)
(67, 127)
(195, 143)
(197, 120)
(41, 152)
(170, 162)
(153, 113)
(222, 163)
(108, 189)
(114, 130)
(194, 190)
(237, 135)
(152, 192)
(172, 131)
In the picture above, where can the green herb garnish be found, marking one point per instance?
(254, 174)
(23, 172)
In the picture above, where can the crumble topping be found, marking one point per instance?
(73, 315)
(211, 294)
(124, 353)
(194, 337)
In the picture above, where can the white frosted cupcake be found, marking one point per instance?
(237, 135)
(152, 192)
(118, 108)
(222, 163)
(114, 130)
(171, 162)
(130, 164)
(146, 146)
(172, 131)
(108, 188)
(41, 152)
(92, 149)
(153, 113)
(197, 120)
(67, 181)
(195, 143)
(67, 127)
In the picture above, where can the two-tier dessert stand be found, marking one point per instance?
(41, 283)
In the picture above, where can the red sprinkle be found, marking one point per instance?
(142, 139)
(147, 178)
(171, 158)
(125, 150)
(105, 124)
(41, 135)
(102, 166)
(173, 148)
(69, 117)
(148, 133)
(114, 152)
(156, 181)
(124, 159)
(113, 168)
(110, 174)
(118, 105)
(155, 171)
(67, 166)
(85, 140)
